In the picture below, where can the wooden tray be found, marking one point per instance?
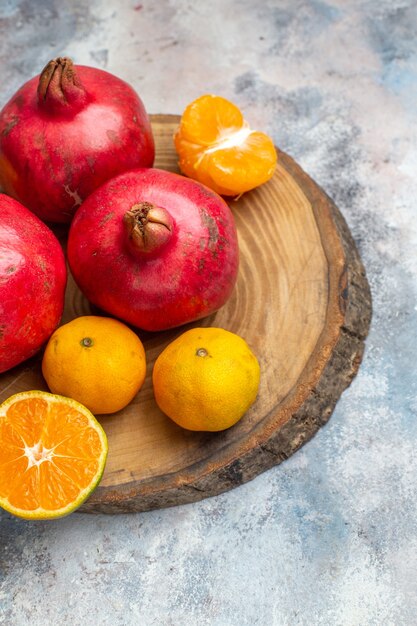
(303, 304)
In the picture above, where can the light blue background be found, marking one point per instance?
(330, 536)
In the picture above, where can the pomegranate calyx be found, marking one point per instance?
(59, 88)
(148, 227)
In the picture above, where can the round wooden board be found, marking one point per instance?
(302, 302)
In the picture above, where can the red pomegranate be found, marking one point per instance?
(154, 249)
(66, 132)
(32, 283)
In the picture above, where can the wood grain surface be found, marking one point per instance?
(303, 304)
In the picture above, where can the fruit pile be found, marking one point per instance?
(152, 249)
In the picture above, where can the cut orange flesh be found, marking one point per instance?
(217, 147)
(52, 455)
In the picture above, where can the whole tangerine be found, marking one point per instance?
(97, 361)
(206, 379)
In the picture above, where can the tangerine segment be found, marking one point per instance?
(242, 167)
(52, 455)
(28, 418)
(210, 119)
(10, 472)
(217, 147)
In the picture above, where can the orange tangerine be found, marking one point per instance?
(52, 454)
(217, 147)
(96, 360)
(206, 379)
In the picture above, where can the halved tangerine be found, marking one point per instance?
(52, 455)
(217, 147)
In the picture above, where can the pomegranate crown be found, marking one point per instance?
(60, 89)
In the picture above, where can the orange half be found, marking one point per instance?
(52, 455)
(217, 147)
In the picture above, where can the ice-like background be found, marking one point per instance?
(330, 536)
